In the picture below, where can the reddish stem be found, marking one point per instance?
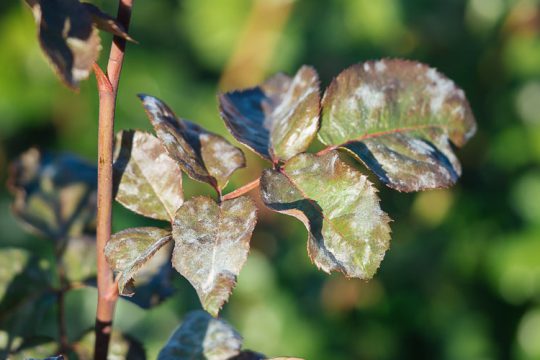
(242, 190)
(108, 89)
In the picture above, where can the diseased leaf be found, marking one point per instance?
(149, 182)
(202, 337)
(211, 245)
(398, 117)
(347, 230)
(106, 22)
(68, 38)
(203, 155)
(277, 119)
(130, 249)
(55, 194)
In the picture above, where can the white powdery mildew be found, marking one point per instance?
(168, 139)
(367, 68)
(420, 147)
(371, 98)
(439, 90)
(380, 66)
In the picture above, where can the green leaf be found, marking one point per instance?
(348, 231)
(79, 258)
(55, 194)
(130, 249)
(212, 244)
(68, 38)
(203, 155)
(398, 117)
(277, 119)
(149, 180)
(106, 22)
(202, 337)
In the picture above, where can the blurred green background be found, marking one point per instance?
(462, 277)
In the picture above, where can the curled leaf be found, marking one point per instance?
(277, 119)
(203, 155)
(149, 181)
(55, 194)
(211, 245)
(106, 22)
(347, 230)
(202, 337)
(398, 117)
(68, 38)
(129, 250)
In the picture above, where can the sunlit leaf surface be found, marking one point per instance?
(202, 337)
(106, 22)
(149, 181)
(399, 118)
(348, 231)
(130, 249)
(203, 155)
(55, 194)
(68, 37)
(212, 244)
(277, 119)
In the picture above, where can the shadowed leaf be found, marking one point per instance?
(130, 249)
(398, 117)
(211, 245)
(68, 37)
(203, 155)
(55, 194)
(79, 258)
(202, 337)
(149, 181)
(106, 22)
(277, 119)
(348, 231)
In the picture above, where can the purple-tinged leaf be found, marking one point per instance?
(55, 194)
(347, 230)
(277, 119)
(149, 181)
(212, 244)
(203, 155)
(68, 38)
(129, 250)
(398, 117)
(106, 22)
(202, 337)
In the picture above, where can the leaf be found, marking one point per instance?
(398, 117)
(211, 245)
(202, 337)
(79, 258)
(149, 181)
(347, 230)
(203, 155)
(277, 119)
(68, 38)
(55, 194)
(130, 249)
(106, 22)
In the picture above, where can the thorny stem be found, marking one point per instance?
(108, 89)
(242, 190)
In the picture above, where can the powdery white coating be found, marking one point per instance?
(202, 337)
(151, 181)
(354, 234)
(211, 245)
(380, 66)
(440, 89)
(371, 98)
(128, 250)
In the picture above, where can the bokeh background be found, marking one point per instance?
(462, 277)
